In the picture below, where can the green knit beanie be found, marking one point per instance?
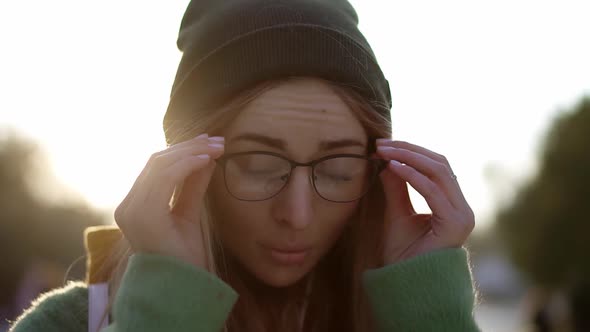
(230, 45)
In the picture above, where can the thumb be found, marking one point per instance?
(402, 230)
(192, 193)
(396, 194)
(404, 233)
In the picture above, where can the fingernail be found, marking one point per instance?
(203, 156)
(202, 136)
(383, 140)
(385, 148)
(217, 139)
(395, 163)
(215, 146)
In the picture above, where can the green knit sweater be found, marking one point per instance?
(431, 292)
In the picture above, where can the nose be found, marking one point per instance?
(293, 206)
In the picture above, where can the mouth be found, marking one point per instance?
(288, 256)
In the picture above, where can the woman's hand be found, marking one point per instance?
(409, 234)
(145, 216)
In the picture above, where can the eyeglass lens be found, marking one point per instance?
(260, 176)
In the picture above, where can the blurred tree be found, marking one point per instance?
(546, 228)
(33, 231)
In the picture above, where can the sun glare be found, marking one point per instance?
(477, 83)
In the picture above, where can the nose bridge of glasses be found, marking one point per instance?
(298, 191)
(257, 175)
(306, 168)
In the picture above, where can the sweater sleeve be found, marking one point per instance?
(160, 293)
(60, 310)
(430, 292)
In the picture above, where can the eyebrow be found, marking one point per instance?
(281, 144)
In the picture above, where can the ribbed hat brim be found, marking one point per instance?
(271, 53)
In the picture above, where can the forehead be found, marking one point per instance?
(302, 112)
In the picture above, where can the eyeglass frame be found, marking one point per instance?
(378, 166)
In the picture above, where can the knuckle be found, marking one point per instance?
(158, 155)
(471, 222)
(468, 223)
(157, 159)
(159, 162)
(154, 156)
(442, 169)
(431, 189)
(470, 227)
(120, 213)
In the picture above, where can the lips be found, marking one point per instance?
(288, 255)
(290, 250)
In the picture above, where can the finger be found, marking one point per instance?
(188, 143)
(201, 137)
(412, 147)
(436, 171)
(165, 158)
(162, 185)
(194, 142)
(168, 157)
(120, 210)
(157, 190)
(406, 231)
(192, 192)
(434, 196)
(396, 195)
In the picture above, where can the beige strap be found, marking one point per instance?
(100, 243)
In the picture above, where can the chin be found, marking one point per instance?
(282, 276)
(261, 266)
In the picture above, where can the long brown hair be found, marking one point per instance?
(331, 297)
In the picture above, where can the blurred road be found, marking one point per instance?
(500, 317)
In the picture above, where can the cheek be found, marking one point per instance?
(237, 223)
(242, 226)
(334, 221)
(231, 215)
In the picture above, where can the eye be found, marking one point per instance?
(341, 169)
(260, 165)
(333, 176)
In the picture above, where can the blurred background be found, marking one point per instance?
(501, 88)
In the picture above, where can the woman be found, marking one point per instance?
(281, 204)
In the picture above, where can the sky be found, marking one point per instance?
(477, 81)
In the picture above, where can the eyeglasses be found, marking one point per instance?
(261, 175)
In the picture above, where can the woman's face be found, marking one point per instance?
(281, 239)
